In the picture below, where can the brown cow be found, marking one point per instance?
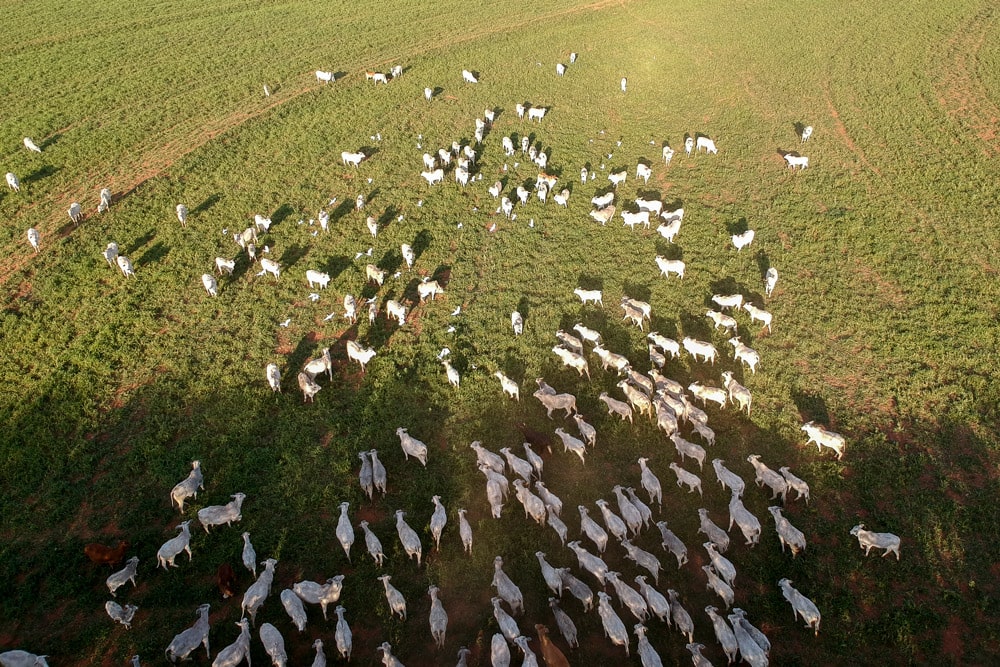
(98, 553)
(551, 654)
(226, 580)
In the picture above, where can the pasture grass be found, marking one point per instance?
(885, 328)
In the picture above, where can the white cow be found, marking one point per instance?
(770, 280)
(643, 171)
(75, 212)
(586, 296)
(688, 145)
(223, 265)
(353, 159)
(325, 77)
(707, 144)
(270, 266)
(208, 280)
(317, 277)
(741, 241)
(125, 264)
(537, 113)
(654, 206)
(618, 177)
(824, 438)
(633, 219)
(668, 266)
(800, 161)
(432, 177)
(668, 154)
(807, 132)
(670, 229)
(867, 539)
(469, 77)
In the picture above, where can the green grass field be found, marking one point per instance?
(885, 315)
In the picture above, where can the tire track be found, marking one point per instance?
(959, 91)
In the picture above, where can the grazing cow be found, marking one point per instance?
(624, 84)
(208, 280)
(429, 289)
(668, 154)
(75, 212)
(807, 132)
(537, 113)
(688, 145)
(325, 77)
(125, 264)
(741, 241)
(469, 77)
(560, 69)
(707, 144)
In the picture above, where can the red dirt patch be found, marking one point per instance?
(951, 639)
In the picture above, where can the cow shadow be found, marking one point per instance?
(158, 251)
(281, 214)
(811, 406)
(442, 274)
(438, 90)
(421, 242)
(292, 254)
(205, 205)
(342, 209)
(140, 242)
(524, 307)
(41, 173)
(640, 291)
(673, 204)
(55, 138)
(514, 366)
(763, 263)
(387, 217)
(694, 325)
(737, 226)
(589, 282)
(799, 128)
(669, 250)
(336, 265)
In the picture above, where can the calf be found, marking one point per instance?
(225, 579)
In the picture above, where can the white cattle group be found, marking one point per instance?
(639, 396)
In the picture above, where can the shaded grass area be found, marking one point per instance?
(883, 328)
